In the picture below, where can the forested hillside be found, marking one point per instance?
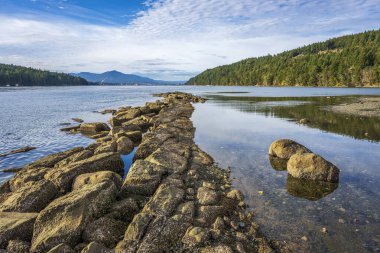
(352, 60)
(22, 76)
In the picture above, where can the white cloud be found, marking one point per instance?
(175, 39)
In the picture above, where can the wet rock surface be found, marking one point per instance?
(173, 199)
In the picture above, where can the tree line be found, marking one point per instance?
(352, 60)
(22, 76)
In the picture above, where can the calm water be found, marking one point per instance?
(236, 126)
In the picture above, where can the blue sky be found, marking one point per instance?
(168, 39)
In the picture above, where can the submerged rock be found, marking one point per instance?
(77, 120)
(19, 150)
(286, 148)
(313, 167)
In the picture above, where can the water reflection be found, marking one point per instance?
(278, 163)
(314, 110)
(309, 189)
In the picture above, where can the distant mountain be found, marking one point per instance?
(352, 60)
(22, 76)
(116, 77)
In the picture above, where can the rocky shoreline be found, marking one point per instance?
(174, 198)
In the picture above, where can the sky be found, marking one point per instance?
(168, 39)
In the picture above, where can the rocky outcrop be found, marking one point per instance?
(313, 167)
(173, 198)
(286, 148)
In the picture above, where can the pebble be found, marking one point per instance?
(341, 221)
(324, 230)
(261, 193)
(304, 238)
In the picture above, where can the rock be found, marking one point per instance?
(95, 247)
(106, 147)
(286, 148)
(304, 121)
(165, 200)
(125, 209)
(163, 234)
(64, 220)
(63, 177)
(71, 129)
(219, 224)
(124, 145)
(195, 236)
(75, 158)
(134, 233)
(143, 178)
(127, 115)
(140, 122)
(19, 150)
(107, 111)
(96, 178)
(16, 226)
(62, 248)
(104, 230)
(207, 196)
(154, 106)
(313, 167)
(102, 134)
(170, 160)
(135, 136)
(209, 214)
(50, 160)
(217, 249)
(235, 194)
(93, 128)
(77, 120)
(32, 197)
(114, 122)
(27, 175)
(18, 246)
(11, 170)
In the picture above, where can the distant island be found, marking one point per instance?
(116, 77)
(11, 75)
(352, 61)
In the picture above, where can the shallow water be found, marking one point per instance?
(238, 132)
(236, 126)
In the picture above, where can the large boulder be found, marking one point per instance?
(93, 128)
(128, 114)
(286, 148)
(63, 177)
(313, 167)
(32, 197)
(16, 226)
(64, 220)
(75, 158)
(95, 247)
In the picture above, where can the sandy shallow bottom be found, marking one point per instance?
(365, 106)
